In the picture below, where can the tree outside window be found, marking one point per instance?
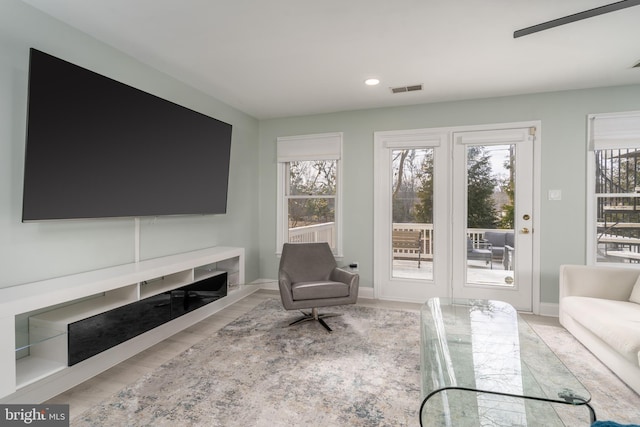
(311, 200)
(412, 195)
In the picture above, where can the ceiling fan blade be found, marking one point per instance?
(576, 17)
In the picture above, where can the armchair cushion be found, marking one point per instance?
(320, 289)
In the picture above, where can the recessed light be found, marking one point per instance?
(371, 82)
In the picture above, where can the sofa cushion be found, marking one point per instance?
(496, 238)
(617, 323)
(635, 293)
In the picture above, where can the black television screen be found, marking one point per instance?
(98, 148)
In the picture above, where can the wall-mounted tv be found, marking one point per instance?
(98, 148)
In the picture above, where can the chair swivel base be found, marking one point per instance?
(314, 315)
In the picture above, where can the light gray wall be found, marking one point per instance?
(563, 158)
(35, 251)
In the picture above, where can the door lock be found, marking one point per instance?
(526, 217)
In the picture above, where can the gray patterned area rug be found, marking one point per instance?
(257, 371)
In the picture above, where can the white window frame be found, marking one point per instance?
(606, 131)
(325, 146)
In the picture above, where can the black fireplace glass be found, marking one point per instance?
(95, 334)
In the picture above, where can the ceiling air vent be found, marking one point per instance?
(401, 89)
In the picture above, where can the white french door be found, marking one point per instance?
(407, 162)
(493, 249)
(455, 191)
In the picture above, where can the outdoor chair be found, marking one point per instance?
(499, 240)
(407, 242)
(309, 278)
(479, 254)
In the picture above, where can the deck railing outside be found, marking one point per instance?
(475, 234)
(325, 232)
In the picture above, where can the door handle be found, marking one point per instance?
(524, 230)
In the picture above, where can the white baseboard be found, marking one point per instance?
(365, 292)
(268, 284)
(546, 308)
(549, 309)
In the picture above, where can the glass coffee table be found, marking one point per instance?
(482, 365)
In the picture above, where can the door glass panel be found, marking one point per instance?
(412, 207)
(618, 205)
(490, 236)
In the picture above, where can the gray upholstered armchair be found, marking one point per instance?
(309, 278)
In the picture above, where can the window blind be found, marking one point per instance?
(493, 137)
(616, 130)
(326, 146)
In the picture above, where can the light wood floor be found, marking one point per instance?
(93, 391)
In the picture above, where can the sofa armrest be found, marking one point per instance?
(613, 283)
(507, 257)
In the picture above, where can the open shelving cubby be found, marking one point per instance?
(158, 285)
(37, 355)
(231, 266)
(42, 359)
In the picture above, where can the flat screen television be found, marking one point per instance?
(98, 148)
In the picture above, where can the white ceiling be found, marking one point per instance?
(282, 58)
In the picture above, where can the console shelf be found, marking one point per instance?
(35, 318)
(32, 369)
(158, 285)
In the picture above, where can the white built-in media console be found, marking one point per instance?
(60, 332)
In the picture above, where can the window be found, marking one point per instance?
(309, 190)
(614, 188)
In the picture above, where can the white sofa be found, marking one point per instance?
(595, 307)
